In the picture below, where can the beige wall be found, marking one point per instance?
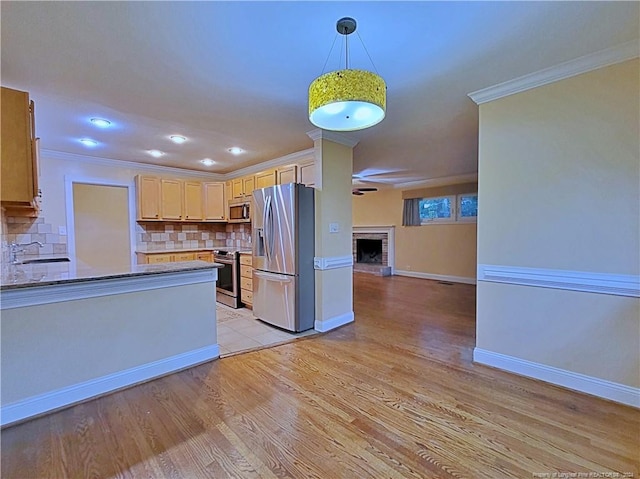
(55, 168)
(437, 249)
(559, 174)
(53, 346)
(334, 287)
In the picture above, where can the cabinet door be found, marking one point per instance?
(213, 201)
(205, 256)
(246, 271)
(237, 188)
(184, 256)
(171, 205)
(265, 179)
(287, 175)
(306, 174)
(159, 258)
(17, 160)
(148, 194)
(248, 185)
(192, 200)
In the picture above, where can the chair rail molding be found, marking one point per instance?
(604, 283)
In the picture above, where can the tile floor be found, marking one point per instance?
(239, 331)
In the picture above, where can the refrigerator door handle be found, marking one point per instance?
(269, 227)
(265, 226)
(273, 277)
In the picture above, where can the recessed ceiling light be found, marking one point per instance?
(177, 139)
(235, 150)
(207, 162)
(101, 122)
(88, 142)
(155, 153)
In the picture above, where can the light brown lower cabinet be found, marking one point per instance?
(246, 279)
(154, 258)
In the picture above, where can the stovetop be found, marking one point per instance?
(225, 252)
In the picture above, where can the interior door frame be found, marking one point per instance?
(69, 181)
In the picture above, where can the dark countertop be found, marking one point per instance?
(185, 250)
(45, 274)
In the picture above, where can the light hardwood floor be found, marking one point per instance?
(394, 394)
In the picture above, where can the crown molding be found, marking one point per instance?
(296, 157)
(442, 181)
(341, 138)
(134, 165)
(586, 63)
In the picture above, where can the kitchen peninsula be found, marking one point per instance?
(71, 333)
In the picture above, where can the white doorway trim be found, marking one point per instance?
(69, 181)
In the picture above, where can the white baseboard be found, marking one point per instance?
(67, 396)
(598, 387)
(437, 277)
(333, 323)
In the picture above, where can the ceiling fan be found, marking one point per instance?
(361, 191)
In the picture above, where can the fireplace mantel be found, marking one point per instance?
(390, 232)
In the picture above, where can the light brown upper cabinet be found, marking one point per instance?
(19, 153)
(193, 200)
(286, 174)
(248, 185)
(306, 174)
(265, 179)
(214, 206)
(148, 195)
(237, 188)
(171, 199)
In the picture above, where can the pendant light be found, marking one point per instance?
(347, 100)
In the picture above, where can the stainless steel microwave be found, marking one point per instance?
(239, 211)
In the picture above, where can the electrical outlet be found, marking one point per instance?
(334, 227)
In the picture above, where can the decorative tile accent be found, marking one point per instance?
(22, 230)
(171, 236)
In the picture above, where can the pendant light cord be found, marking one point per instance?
(346, 53)
(367, 52)
(329, 55)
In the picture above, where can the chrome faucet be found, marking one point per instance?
(17, 248)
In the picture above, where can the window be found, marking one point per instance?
(468, 207)
(437, 210)
(449, 209)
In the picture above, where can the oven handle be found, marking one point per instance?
(223, 261)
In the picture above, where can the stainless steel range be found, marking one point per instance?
(228, 284)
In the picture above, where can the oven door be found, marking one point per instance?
(227, 283)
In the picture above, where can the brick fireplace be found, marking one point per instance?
(373, 249)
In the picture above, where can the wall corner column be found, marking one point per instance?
(333, 223)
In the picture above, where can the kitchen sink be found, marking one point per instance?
(45, 260)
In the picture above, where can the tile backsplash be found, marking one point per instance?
(172, 236)
(149, 236)
(23, 230)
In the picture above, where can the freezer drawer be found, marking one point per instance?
(274, 299)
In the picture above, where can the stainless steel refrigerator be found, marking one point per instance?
(283, 248)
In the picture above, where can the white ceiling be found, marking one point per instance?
(236, 73)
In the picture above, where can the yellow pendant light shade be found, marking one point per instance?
(347, 100)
